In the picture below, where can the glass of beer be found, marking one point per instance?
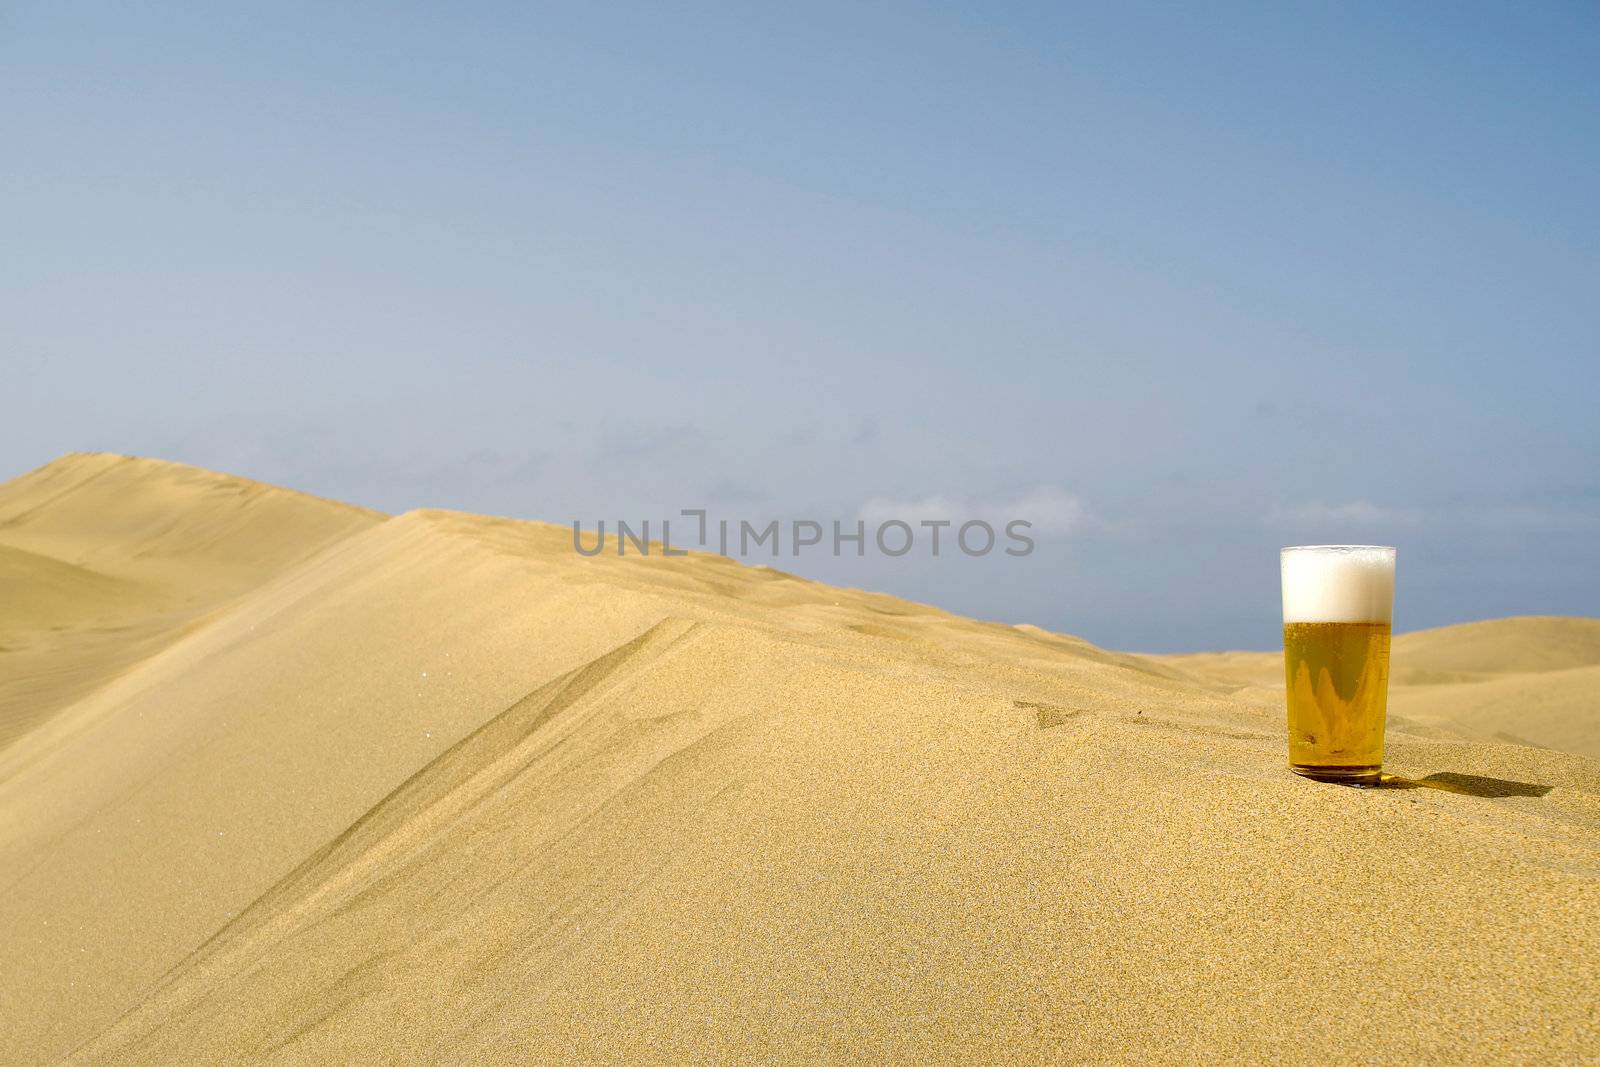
(1338, 603)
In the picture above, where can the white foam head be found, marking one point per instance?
(1338, 583)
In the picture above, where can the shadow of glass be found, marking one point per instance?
(1472, 785)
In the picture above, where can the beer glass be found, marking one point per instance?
(1338, 603)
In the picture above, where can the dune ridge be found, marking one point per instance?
(433, 788)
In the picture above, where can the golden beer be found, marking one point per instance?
(1338, 602)
(1338, 682)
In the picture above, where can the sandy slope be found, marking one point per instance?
(438, 789)
(105, 560)
(1533, 680)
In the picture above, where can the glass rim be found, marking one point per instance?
(1337, 548)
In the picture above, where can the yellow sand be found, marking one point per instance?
(105, 560)
(436, 789)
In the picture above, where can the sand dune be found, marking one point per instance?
(105, 560)
(436, 789)
(1533, 680)
(1526, 645)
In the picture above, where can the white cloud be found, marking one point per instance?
(1051, 509)
(1352, 513)
(1357, 514)
(881, 509)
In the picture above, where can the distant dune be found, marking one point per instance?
(1533, 680)
(285, 780)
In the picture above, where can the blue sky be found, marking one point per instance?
(1191, 283)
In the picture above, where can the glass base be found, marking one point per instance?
(1357, 776)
